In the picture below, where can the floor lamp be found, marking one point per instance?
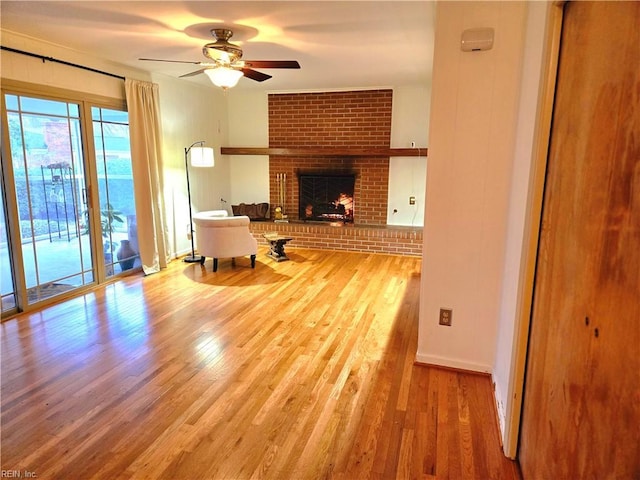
(201, 156)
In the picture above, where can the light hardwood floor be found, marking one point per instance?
(295, 370)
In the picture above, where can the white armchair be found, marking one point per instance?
(221, 236)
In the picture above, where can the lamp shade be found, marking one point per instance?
(202, 157)
(223, 76)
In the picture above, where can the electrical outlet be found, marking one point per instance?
(446, 316)
(412, 200)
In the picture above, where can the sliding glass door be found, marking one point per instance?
(50, 187)
(58, 150)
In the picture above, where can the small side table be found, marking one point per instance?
(277, 243)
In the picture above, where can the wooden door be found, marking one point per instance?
(581, 413)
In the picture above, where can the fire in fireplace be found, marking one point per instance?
(326, 197)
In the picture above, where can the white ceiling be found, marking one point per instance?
(339, 44)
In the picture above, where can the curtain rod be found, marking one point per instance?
(51, 59)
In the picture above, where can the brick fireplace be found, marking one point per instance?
(334, 120)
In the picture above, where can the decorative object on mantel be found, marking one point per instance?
(277, 243)
(200, 157)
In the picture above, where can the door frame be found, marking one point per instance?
(11, 220)
(533, 216)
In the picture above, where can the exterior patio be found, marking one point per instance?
(54, 266)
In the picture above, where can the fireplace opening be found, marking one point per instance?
(326, 197)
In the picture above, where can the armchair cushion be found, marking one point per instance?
(224, 237)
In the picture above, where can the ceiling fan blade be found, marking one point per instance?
(272, 63)
(172, 61)
(255, 75)
(197, 72)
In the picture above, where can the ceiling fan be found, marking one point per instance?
(226, 66)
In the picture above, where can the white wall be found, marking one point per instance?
(474, 103)
(410, 116)
(33, 70)
(249, 127)
(248, 122)
(190, 113)
(407, 178)
(407, 175)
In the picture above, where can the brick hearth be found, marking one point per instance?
(371, 239)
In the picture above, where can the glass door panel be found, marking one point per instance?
(115, 190)
(50, 187)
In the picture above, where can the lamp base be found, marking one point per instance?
(194, 259)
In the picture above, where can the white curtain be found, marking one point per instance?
(146, 154)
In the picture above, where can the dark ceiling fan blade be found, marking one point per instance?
(255, 75)
(172, 61)
(197, 72)
(272, 63)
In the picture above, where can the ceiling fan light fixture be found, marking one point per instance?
(226, 67)
(224, 77)
(222, 53)
(221, 49)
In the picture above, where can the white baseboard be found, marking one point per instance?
(452, 363)
(182, 253)
(500, 410)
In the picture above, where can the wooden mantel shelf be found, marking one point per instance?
(327, 152)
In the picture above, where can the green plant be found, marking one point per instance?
(108, 218)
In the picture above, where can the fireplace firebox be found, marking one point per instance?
(326, 197)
